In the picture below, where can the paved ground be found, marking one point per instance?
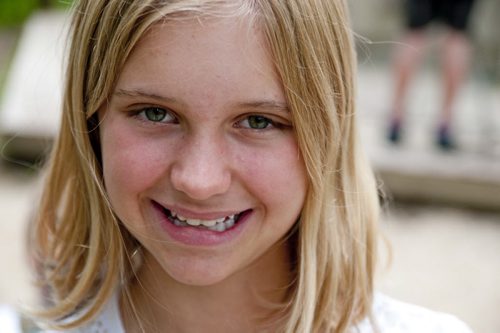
(446, 259)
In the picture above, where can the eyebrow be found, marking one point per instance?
(271, 105)
(265, 105)
(142, 93)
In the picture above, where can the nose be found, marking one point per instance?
(202, 169)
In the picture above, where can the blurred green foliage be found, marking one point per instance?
(14, 12)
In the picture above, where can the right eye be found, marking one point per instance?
(156, 115)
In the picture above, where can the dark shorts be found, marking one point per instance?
(454, 13)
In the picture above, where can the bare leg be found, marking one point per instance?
(407, 58)
(455, 60)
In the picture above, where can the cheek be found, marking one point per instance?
(277, 175)
(130, 165)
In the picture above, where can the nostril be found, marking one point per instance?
(200, 181)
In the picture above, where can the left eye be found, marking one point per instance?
(156, 114)
(256, 122)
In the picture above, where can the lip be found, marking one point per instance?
(193, 236)
(197, 215)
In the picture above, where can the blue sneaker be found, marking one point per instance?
(444, 138)
(394, 133)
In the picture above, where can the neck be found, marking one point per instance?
(247, 301)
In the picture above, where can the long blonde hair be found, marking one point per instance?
(83, 250)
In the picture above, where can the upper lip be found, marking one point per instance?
(200, 215)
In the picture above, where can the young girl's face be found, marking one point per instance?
(200, 159)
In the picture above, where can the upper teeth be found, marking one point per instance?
(197, 222)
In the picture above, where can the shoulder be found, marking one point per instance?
(392, 316)
(108, 320)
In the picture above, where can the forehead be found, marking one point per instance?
(221, 56)
(202, 34)
(190, 17)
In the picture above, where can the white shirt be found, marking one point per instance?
(10, 321)
(393, 316)
(390, 315)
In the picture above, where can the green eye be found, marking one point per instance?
(155, 114)
(258, 122)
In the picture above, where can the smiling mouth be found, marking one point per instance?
(219, 225)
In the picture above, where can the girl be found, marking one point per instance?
(207, 177)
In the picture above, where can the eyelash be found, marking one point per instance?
(270, 123)
(141, 115)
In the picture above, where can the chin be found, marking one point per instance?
(199, 272)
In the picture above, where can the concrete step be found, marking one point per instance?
(416, 169)
(30, 105)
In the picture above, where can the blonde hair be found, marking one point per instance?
(85, 253)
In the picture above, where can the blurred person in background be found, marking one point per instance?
(455, 57)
